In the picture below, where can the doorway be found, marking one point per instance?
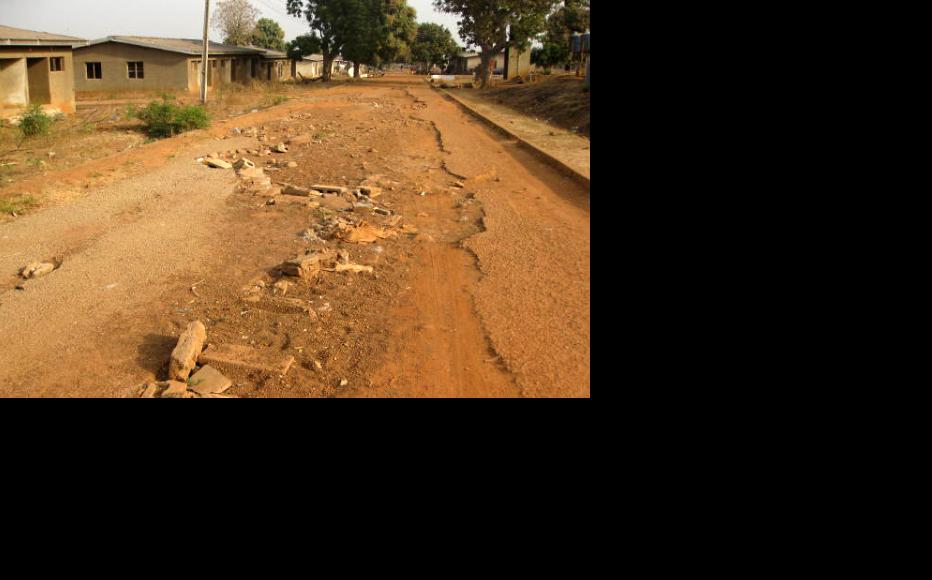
(40, 93)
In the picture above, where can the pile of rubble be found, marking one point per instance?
(207, 382)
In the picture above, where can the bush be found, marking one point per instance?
(164, 119)
(35, 122)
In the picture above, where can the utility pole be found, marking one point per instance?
(204, 62)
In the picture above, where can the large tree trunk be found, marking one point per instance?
(485, 68)
(357, 72)
(328, 67)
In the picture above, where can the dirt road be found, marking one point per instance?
(490, 298)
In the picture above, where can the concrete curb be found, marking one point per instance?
(565, 169)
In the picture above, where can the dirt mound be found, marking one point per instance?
(561, 100)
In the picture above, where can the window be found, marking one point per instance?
(135, 70)
(56, 64)
(94, 71)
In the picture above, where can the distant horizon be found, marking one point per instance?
(171, 19)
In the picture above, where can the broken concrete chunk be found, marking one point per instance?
(298, 191)
(175, 390)
(370, 191)
(244, 164)
(217, 163)
(232, 359)
(281, 148)
(309, 264)
(330, 188)
(355, 268)
(37, 270)
(209, 381)
(189, 347)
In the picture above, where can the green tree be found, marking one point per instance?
(434, 46)
(402, 29)
(269, 34)
(236, 20)
(329, 30)
(572, 16)
(496, 25)
(365, 26)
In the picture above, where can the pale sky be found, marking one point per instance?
(91, 19)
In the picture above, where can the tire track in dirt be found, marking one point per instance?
(534, 295)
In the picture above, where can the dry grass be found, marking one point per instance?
(561, 100)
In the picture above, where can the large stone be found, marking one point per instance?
(209, 381)
(244, 164)
(233, 359)
(281, 148)
(37, 270)
(330, 188)
(218, 163)
(308, 265)
(189, 347)
(289, 189)
(175, 390)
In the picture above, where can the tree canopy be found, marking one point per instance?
(269, 34)
(236, 20)
(434, 46)
(496, 25)
(363, 31)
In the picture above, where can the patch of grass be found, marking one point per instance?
(18, 204)
(35, 122)
(273, 100)
(165, 119)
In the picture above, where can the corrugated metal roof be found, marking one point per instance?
(188, 46)
(11, 36)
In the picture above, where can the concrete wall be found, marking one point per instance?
(13, 84)
(55, 89)
(518, 64)
(164, 71)
(307, 69)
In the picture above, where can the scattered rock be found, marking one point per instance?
(175, 390)
(289, 189)
(308, 265)
(209, 381)
(363, 233)
(281, 148)
(218, 163)
(282, 286)
(355, 268)
(244, 164)
(37, 270)
(189, 347)
(292, 164)
(459, 184)
(370, 191)
(233, 359)
(330, 189)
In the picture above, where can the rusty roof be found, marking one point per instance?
(10, 36)
(188, 46)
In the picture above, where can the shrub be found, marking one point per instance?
(35, 122)
(164, 119)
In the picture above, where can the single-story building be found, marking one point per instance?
(36, 68)
(511, 63)
(137, 63)
(309, 67)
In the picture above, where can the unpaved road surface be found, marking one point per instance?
(484, 293)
